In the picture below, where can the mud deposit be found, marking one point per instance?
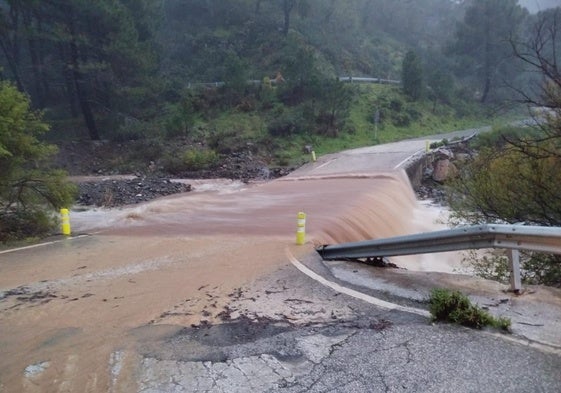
(195, 270)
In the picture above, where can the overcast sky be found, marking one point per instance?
(537, 5)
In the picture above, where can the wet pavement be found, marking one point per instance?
(197, 294)
(535, 313)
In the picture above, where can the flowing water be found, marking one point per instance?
(67, 310)
(340, 208)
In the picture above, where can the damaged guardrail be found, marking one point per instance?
(511, 237)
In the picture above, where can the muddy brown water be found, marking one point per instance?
(69, 307)
(340, 208)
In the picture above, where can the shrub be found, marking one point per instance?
(401, 119)
(24, 224)
(536, 268)
(199, 159)
(179, 119)
(190, 160)
(227, 142)
(287, 123)
(28, 187)
(396, 105)
(454, 307)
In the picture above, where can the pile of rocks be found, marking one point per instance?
(443, 166)
(110, 193)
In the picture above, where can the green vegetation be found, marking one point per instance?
(515, 177)
(262, 76)
(28, 189)
(505, 184)
(482, 44)
(191, 160)
(537, 268)
(454, 307)
(412, 76)
(123, 69)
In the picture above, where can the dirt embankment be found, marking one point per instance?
(150, 167)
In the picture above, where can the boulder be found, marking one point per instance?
(463, 157)
(443, 170)
(443, 153)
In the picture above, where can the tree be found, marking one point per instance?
(482, 42)
(333, 100)
(542, 54)
(99, 55)
(28, 189)
(287, 7)
(516, 178)
(441, 87)
(412, 76)
(504, 185)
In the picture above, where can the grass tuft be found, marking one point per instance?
(454, 307)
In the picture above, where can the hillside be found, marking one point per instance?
(129, 70)
(243, 88)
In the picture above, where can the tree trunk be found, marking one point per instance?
(486, 89)
(41, 54)
(78, 80)
(487, 66)
(10, 46)
(68, 85)
(35, 64)
(12, 64)
(288, 5)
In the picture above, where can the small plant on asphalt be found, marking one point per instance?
(454, 307)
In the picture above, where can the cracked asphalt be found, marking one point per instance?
(192, 295)
(367, 350)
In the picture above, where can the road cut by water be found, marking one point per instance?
(73, 314)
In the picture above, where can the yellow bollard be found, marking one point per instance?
(427, 148)
(65, 220)
(313, 156)
(301, 229)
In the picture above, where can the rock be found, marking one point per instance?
(443, 170)
(110, 193)
(462, 157)
(443, 153)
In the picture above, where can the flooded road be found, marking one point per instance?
(68, 309)
(339, 208)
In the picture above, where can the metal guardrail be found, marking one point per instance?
(511, 237)
(357, 79)
(349, 79)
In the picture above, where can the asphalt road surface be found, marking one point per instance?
(198, 293)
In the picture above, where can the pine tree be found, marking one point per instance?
(412, 76)
(27, 187)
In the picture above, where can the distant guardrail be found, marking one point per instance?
(347, 79)
(358, 79)
(511, 237)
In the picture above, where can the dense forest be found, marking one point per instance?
(127, 69)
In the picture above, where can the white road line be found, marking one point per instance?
(41, 244)
(352, 292)
(407, 159)
(325, 164)
(540, 346)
